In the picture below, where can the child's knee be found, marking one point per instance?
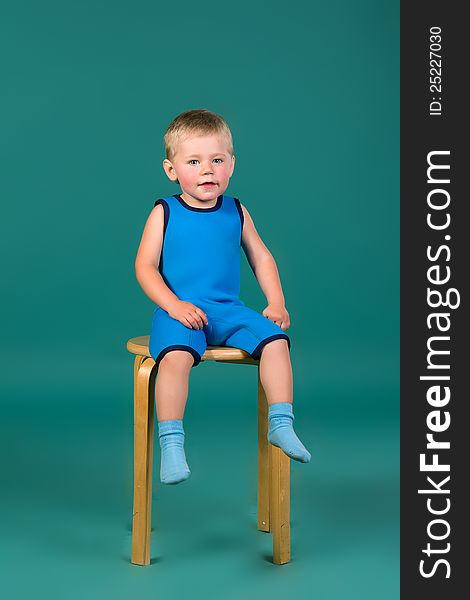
(279, 345)
(177, 360)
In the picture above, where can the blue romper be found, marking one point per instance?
(200, 263)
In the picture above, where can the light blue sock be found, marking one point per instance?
(281, 432)
(174, 467)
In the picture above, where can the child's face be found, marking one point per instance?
(201, 159)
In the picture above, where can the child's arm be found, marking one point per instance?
(151, 281)
(265, 269)
(148, 258)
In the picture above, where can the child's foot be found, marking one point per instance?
(173, 468)
(281, 433)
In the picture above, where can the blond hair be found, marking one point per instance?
(198, 121)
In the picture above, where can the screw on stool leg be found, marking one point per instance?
(144, 408)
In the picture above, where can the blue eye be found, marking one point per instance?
(221, 160)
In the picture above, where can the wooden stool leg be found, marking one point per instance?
(273, 486)
(279, 502)
(144, 408)
(263, 460)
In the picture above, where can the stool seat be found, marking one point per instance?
(140, 347)
(273, 464)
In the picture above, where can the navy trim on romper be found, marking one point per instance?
(195, 354)
(217, 205)
(166, 216)
(277, 336)
(242, 217)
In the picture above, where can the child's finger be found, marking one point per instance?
(196, 320)
(186, 323)
(201, 319)
(203, 315)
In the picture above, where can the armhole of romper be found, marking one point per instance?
(242, 218)
(166, 213)
(166, 216)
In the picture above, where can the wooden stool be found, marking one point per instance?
(273, 464)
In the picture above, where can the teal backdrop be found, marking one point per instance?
(311, 92)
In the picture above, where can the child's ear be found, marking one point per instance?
(169, 170)
(233, 164)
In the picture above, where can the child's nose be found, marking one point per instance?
(207, 167)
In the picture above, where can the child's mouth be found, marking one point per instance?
(207, 184)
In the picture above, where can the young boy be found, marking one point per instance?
(188, 263)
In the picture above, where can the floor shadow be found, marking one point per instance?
(266, 557)
(153, 561)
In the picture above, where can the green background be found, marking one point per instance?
(311, 93)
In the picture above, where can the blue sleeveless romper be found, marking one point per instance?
(200, 263)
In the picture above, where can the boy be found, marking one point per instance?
(188, 263)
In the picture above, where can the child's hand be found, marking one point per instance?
(187, 313)
(278, 314)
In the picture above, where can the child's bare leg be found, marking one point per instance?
(171, 389)
(276, 378)
(276, 372)
(171, 392)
